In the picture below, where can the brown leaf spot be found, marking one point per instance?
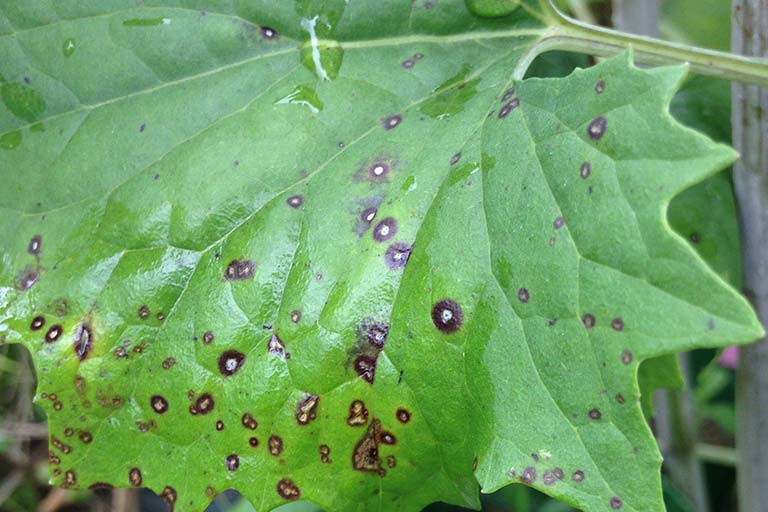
(168, 363)
(392, 121)
(230, 361)
(295, 316)
(509, 107)
(528, 476)
(366, 454)
(34, 245)
(295, 201)
(403, 416)
(447, 316)
(588, 320)
(617, 324)
(169, 496)
(26, 278)
(85, 436)
(325, 454)
(144, 312)
(276, 347)
(83, 341)
(253, 442)
(208, 337)
(249, 421)
(159, 404)
(595, 414)
(385, 229)
(376, 334)
(269, 33)
(391, 461)
(306, 409)
(232, 462)
(596, 128)
(239, 270)
(523, 295)
(365, 367)
(288, 490)
(626, 357)
(558, 223)
(275, 444)
(53, 334)
(37, 323)
(203, 405)
(358, 414)
(616, 503)
(585, 170)
(397, 255)
(600, 87)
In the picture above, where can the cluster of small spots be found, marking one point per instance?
(288, 490)
(523, 295)
(230, 361)
(528, 476)
(168, 363)
(83, 341)
(585, 170)
(37, 323)
(238, 270)
(203, 405)
(617, 324)
(509, 107)
(269, 33)
(134, 477)
(325, 454)
(62, 447)
(447, 316)
(295, 316)
(588, 320)
(403, 416)
(578, 476)
(275, 444)
(616, 503)
(53, 458)
(385, 229)
(232, 462)
(397, 255)
(144, 312)
(392, 121)
(306, 409)
(365, 366)
(295, 201)
(53, 333)
(596, 128)
(550, 477)
(595, 414)
(249, 421)
(34, 245)
(158, 404)
(409, 63)
(626, 357)
(358, 414)
(600, 87)
(276, 347)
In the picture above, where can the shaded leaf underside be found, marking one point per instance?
(191, 254)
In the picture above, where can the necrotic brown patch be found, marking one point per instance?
(397, 255)
(249, 422)
(306, 409)
(239, 270)
(37, 323)
(53, 333)
(232, 462)
(376, 334)
(358, 414)
(288, 490)
(392, 121)
(230, 361)
(144, 312)
(385, 229)
(203, 405)
(447, 316)
(295, 201)
(85, 436)
(365, 367)
(208, 337)
(403, 416)
(276, 347)
(34, 245)
(83, 341)
(275, 444)
(159, 404)
(366, 454)
(596, 128)
(134, 477)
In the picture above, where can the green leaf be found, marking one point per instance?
(205, 242)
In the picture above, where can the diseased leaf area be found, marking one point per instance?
(328, 250)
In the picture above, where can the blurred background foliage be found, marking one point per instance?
(695, 429)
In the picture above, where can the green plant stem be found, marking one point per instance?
(714, 454)
(569, 34)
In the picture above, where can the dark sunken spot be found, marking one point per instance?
(306, 409)
(249, 422)
(616, 503)
(509, 107)
(275, 444)
(269, 33)
(586, 170)
(238, 270)
(288, 490)
(159, 404)
(626, 357)
(385, 229)
(596, 128)
(397, 255)
(455, 158)
(376, 334)
(528, 476)
(203, 405)
(134, 477)
(295, 201)
(523, 295)
(208, 337)
(358, 414)
(37, 323)
(233, 462)
(588, 320)
(403, 416)
(578, 476)
(558, 223)
(253, 442)
(595, 414)
(447, 316)
(600, 87)
(83, 341)
(53, 333)
(144, 312)
(230, 361)
(408, 64)
(392, 121)
(365, 367)
(34, 245)
(617, 324)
